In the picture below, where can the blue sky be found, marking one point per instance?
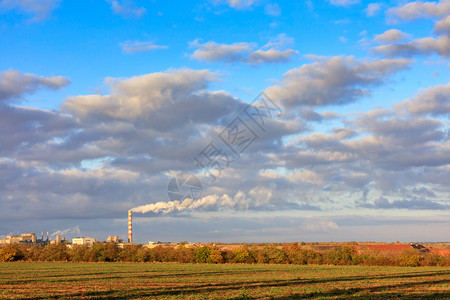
(103, 102)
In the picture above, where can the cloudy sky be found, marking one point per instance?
(301, 120)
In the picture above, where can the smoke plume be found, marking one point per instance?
(208, 202)
(75, 229)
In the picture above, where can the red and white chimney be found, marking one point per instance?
(130, 228)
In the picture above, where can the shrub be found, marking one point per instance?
(410, 258)
(79, 253)
(130, 253)
(202, 254)
(216, 256)
(375, 258)
(242, 255)
(33, 253)
(184, 255)
(345, 255)
(55, 252)
(11, 253)
(272, 255)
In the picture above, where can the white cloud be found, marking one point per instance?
(320, 225)
(100, 155)
(14, 84)
(414, 203)
(434, 100)
(212, 51)
(240, 4)
(22, 127)
(136, 46)
(279, 42)
(272, 9)
(344, 2)
(391, 36)
(337, 80)
(443, 26)
(162, 101)
(40, 9)
(418, 9)
(245, 52)
(372, 9)
(126, 8)
(144, 134)
(424, 46)
(270, 56)
(307, 176)
(236, 4)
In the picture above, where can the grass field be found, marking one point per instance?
(207, 281)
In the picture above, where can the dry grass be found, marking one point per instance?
(206, 281)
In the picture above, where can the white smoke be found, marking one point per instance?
(240, 200)
(75, 229)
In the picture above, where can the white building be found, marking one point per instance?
(16, 239)
(83, 241)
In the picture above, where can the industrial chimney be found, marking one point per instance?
(130, 229)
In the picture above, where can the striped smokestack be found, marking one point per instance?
(130, 229)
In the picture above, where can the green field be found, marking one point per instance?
(208, 281)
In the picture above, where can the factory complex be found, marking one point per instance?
(31, 239)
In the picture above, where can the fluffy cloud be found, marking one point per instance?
(134, 47)
(212, 51)
(320, 225)
(414, 204)
(141, 125)
(67, 193)
(418, 9)
(14, 85)
(434, 101)
(439, 45)
(240, 4)
(343, 2)
(381, 150)
(160, 101)
(272, 9)
(401, 131)
(336, 80)
(391, 36)
(443, 26)
(21, 128)
(113, 152)
(270, 56)
(126, 8)
(102, 154)
(244, 52)
(372, 9)
(40, 9)
(424, 46)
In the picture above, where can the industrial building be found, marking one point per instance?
(30, 238)
(83, 241)
(113, 239)
(16, 239)
(58, 240)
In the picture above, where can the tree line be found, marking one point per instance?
(292, 253)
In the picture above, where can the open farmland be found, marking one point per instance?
(227, 281)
